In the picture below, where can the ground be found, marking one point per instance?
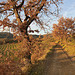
(56, 63)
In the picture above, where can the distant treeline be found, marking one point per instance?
(10, 36)
(6, 35)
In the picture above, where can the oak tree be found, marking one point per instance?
(19, 14)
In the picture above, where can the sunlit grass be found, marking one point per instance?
(69, 47)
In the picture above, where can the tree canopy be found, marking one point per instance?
(65, 28)
(19, 14)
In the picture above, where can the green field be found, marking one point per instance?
(8, 52)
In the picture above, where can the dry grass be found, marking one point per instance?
(12, 55)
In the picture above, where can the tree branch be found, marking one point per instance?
(17, 15)
(33, 16)
(4, 4)
(5, 10)
(33, 5)
(20, 5)
(7, 24)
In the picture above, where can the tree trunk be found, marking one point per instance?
(27, 42)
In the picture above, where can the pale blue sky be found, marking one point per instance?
(67, 10)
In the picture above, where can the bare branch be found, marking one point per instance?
(55, 3)
(10, 14)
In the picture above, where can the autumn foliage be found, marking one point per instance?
(65, 28)
(23, 13)
(18, 15)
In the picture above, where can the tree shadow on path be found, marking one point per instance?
(57, 62)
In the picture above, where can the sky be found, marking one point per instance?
(67, 10)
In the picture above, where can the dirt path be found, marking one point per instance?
(60, 63)
(56, 63)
